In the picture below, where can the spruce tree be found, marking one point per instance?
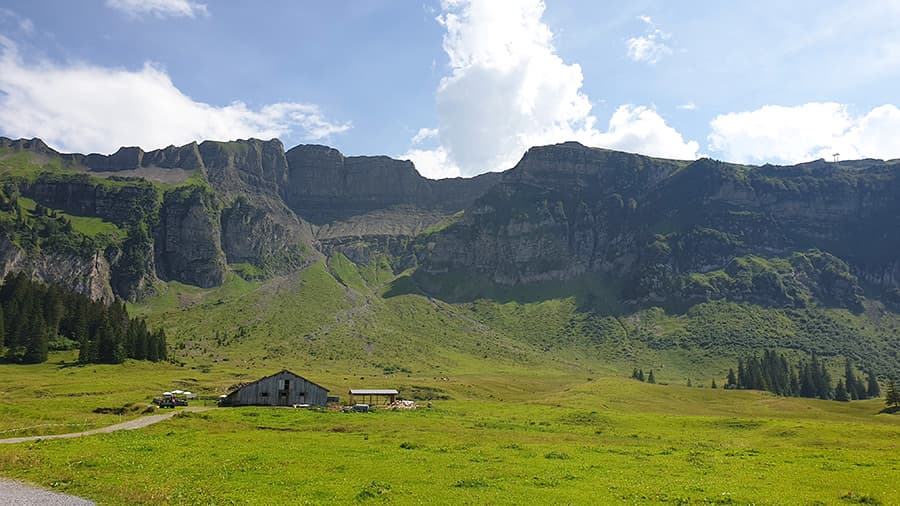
(641, 374)
(840, 393)
(162, 352)
(731, 382)
(892, 395)
(849, 381)
(873, 389)
(634, 373)
(650, 378)
(714, 383)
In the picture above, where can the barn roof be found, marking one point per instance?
(371, 391)
(276, 374)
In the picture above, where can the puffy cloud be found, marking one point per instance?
(424, 134)
(432, 163)
(159, 8)
(781, 134)
(642, 130)
(507, 90)
(89, 108)
(649, 47)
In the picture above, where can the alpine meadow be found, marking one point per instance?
(517, 307)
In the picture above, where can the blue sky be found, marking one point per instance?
(458, 86)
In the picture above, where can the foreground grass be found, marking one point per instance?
(601, 441)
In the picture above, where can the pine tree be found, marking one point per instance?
(689, 382)
(714, 383)
(731, 382)
(849, 381)
(860, 388)
(634, 373)
(650, 378)
(641, 374)
(873, 389)
(892, 396)
(840, 393)
(162, 349)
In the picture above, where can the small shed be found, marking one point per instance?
(373, 396)
(280, 389)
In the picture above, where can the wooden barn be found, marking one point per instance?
(280, 389)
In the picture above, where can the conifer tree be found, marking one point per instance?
(714, 383)
(840, 393)
(892, 395)
(873, 389)
(849, 381)
(650, 378)
(731, 381)
(641, 374)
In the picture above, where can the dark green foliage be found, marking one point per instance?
(37, 315)
(714, 384)
(44, 229)
(650, 377)
(773, 373)
(873, 390)
(840, 392)
(892, 396)
(731, 382)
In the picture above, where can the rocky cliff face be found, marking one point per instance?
(188, 242)
(88, 276)
(655, 225)
(325, 186)
(666, 231)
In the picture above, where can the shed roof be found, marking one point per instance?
(371, 391)
(276, 374)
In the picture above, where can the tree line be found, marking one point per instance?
(772, 372)
(36, 318)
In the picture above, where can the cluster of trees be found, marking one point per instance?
(35, 318)
(773, 372)
(638, 374)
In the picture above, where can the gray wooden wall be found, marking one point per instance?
(265, 392)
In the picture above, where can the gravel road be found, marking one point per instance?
(16, 493)
(137, 423)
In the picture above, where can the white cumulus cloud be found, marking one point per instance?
(507, 90)
(88, 108)
(159, 8)
(790, 134)
(650, 47)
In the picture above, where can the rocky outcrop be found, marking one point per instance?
(121, 202)
(89, 276)
(650, 224)
(188, 241)
(255, 235)
(324, 186)
(245, 166)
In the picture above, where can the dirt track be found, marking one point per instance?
(137, 423)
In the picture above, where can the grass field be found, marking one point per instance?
(502, 438)
(530, 405)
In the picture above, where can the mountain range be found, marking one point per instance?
(620, 232)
